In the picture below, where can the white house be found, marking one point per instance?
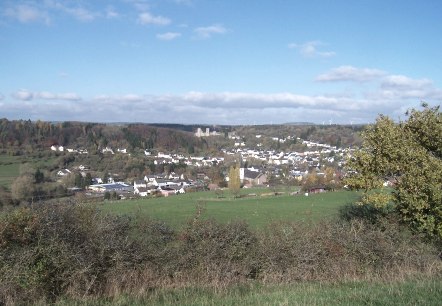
(107, 150)
(140, 184)
(83, 168)
(63, 172)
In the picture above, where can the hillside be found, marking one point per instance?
(94, 136)
(31, 135)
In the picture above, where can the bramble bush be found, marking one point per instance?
(77, 252)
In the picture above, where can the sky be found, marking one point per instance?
(236, 62)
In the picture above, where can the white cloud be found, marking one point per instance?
(111, 13)
(350, 73)
(27, 14)
(207, 32)
(116, 99)
(147, 18)
(311, 49)
(23, 95)
(140, 5)
(54, 96)
(387, 94)
(1, 97)
(201, 107)
(81, 14)
(401, 81)
(168, 36)
(402, 87)
(78, 12)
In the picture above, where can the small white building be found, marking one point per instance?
(63, 172)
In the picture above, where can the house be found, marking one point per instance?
(149, 178)
(182, 190)
(107, 150)
(140, 184)
(118, 187)
(167, 191)
(317, 189)
(178, 189)
(261, 179)
(97, 180)
(83, 168)
(253, 178)
(173, 176)
(167, 183)
(159, 182)
(63, 172)
(141, 191)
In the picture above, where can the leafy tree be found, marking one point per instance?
(87, 180)
(408, 154)
(107, 195)
(22, 189)
(114, 195)
(234, 180)
(105, 177)
(331, 180)
(78, 180)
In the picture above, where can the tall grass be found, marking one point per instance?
(408, 292)
(77, 253)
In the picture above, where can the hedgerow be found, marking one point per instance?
(75, 251)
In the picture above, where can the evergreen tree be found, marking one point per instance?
(39, 176)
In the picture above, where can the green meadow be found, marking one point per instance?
(10, 166)
(9, 169)
(257, 207)
(408, 292)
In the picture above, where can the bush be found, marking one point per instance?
(74, 251)
(213, 252)
(54, 250)
(341, 250)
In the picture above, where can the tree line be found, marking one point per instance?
(32, 135)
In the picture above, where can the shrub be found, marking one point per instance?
(340, 250)
(213, 252)
(52, 250)
(76, 251)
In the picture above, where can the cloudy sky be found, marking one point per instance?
(218, 61)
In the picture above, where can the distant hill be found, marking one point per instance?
(299, 123)
(167, 137)
(94, 136)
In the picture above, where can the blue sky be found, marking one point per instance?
(218, 61)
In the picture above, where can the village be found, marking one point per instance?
(257, 167)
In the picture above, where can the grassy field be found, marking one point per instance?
(9, 169)
(257, 211)
(409, 292)
(10, 166)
